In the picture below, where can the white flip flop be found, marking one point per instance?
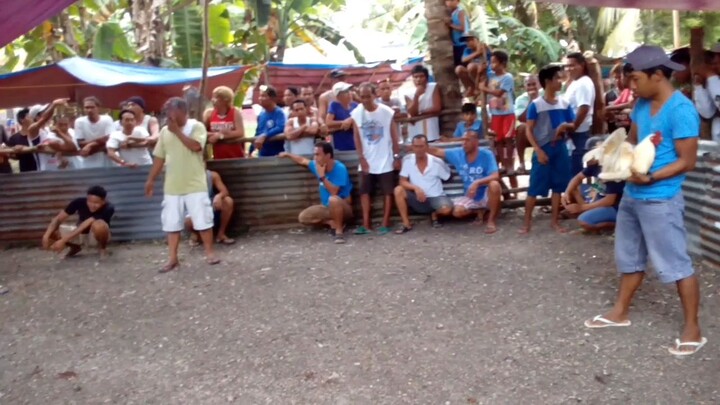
(678, 344)
(604, 323)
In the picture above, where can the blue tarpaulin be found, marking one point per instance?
(112, 82)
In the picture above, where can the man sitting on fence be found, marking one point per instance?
(335, 209)
(421, 188)
(481, 182)
(94, 215)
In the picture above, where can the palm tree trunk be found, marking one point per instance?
(441, 59)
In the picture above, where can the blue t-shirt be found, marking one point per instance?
(505, 104)
(479, 59)
(342, 140)
(483, 166)
(457, 36)
(461, 128)
(338, 176)
(677, 119)
(271, 123)
(548, 117)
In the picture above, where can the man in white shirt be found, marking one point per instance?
(61, 139)
(301, 130)
(421, 185)
(706, 94)
(581, 96)
(376, 142)
(92, 132)
(132, 139)
(425, 106)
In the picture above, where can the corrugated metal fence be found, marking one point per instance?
(269, 194)
(702, 204)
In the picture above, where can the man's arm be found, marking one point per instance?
(292, 133)
(632, 135)
(358, 141)
(298, 160)
(461, 27)
(437, 152)
(486, 180)
(239, 131)
(188, 142)
(687, 158)
(394, 136)
(323, 106)
(276, 133)
(45, 117)
(405, 183)
(155, 170)
(53, 227)
(574, 183)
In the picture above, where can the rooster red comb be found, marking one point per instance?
(656, 138)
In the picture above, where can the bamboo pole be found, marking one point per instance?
(676, 29)
(206, 59)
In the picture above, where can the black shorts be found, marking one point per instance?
(387, 182)
(430, 205)
(458, 54)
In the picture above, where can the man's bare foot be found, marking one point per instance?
(491, 228)
(559, 228)
(103, 254)
(170, 266)
(74, 250)
(524, 230)
(212, 260)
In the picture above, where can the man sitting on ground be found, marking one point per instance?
(421, 186)
(94, 215)
(481, 182)
(598, 204)
(335, 186)
(223, 206)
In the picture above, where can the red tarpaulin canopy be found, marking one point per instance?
(111, 82)
(20, 16)
(689, 5)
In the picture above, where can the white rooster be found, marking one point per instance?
(619, 159)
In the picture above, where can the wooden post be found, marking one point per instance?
(697, 59)
(676, 28)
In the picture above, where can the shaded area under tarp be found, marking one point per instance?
(282, 75)
(21, 16)
(111, 82)
(688, 5)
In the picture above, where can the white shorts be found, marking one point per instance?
(198, 207)
(470, 204)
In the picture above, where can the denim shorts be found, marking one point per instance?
(655, 229)
(596, 216)
(430, 205)
(554, 176)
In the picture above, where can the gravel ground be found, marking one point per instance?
(447, 316)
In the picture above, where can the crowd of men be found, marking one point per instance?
(553, 117)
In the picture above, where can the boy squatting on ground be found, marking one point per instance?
(94, 215)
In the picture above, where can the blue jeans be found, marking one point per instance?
(597, 216)
(579, 140)
(655, 229)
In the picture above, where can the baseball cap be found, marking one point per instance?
(337, 73)
(339, 87)
(136, 100)
(648, 56)
(470, 34)
(36, 110)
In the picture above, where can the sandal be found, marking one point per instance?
(695, 345)
(436, 224)
(601, 322)
(361, 230)
(339, 239)
(225, 241)
(169, 267)
(212, 261)
(404, 229)
(383, 230)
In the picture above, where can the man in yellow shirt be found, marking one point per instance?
(180, 145)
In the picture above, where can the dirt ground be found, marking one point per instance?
(447, 316)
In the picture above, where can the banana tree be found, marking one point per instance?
(289, 22)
